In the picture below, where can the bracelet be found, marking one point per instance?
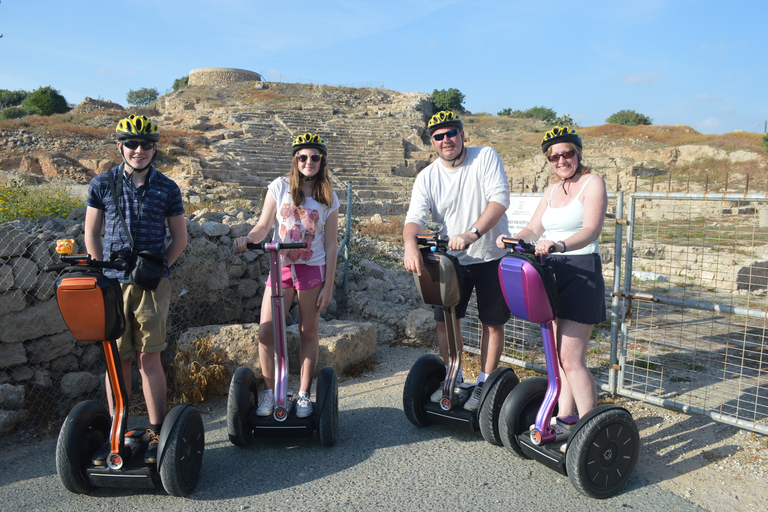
(565, 248)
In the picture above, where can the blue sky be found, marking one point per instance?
(698, 63)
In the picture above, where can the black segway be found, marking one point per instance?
(243, 423)
(92, 307)
(602, 449)
(439, 285)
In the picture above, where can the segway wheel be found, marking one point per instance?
(328, 404)
(424, 378)
(519, 412)
(602, 454)
(182, 455)
(84, 431)
(242, 398)
(490, 408)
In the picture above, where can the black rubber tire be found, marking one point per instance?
(243, 397)
(182, 456)
(84, 431)
(328, 422)
(602, 455)
(424, 378)
(488, 415)
(519, 412)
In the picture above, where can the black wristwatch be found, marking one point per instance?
(475, 232)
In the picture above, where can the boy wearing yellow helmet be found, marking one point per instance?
(146, 200)
(465, 190)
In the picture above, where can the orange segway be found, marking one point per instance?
(92, 307)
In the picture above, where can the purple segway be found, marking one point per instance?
(439, 285)
(603, 447)
(243, 423)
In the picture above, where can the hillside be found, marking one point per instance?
(226, 142)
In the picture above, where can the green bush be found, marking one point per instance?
(452, 99)
(12, 98)
(629, 118)
(46, 100)
(765, 141)
(18, 200)
(12, 113)
(545, 114)
(142, 97)
(180, 83)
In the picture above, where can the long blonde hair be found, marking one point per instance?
(322, 191)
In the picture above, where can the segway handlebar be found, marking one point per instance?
(432, 241)
(80, 261)
(263, 246)
(520, 245)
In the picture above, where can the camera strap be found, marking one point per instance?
(115, 197)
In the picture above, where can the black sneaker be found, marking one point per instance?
(150, 456)
(100, 457)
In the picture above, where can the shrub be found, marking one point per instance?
(545, 114)
(46, 100)
(452, 99)
(142, 97)
(12, 113)
(629, 118)
(197, 371)
(765, 141)
(12, 98)
(180, 83)
(18, 200)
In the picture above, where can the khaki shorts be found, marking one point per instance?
(146, 313)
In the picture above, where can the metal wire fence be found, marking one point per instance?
(687, 314)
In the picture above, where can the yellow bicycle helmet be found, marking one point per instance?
(137, 127)
(309, 140)
(560, 134)
(443, 119)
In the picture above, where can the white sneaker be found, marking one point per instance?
(266, 403)
(474, 401)
(303, 405)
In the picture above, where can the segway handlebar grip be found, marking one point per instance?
(263, 245)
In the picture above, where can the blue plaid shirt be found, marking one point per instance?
(160, 200)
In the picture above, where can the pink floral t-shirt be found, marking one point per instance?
(303, 223)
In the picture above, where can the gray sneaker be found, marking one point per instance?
(438, 394)
(474, 401)
(303, 405)
(266, 403)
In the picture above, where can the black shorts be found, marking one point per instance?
(580, 286)
(492, 309)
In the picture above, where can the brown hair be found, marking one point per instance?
(321, 186)
(580, 169)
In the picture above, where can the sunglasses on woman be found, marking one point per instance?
(134, 144)
(315, 158)
(567, 155)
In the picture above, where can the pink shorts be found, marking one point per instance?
(301, 277)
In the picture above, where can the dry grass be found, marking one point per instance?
(197, 372)
(390, 229)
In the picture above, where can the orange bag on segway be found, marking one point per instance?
(92, 306)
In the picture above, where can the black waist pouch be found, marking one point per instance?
(147, 270)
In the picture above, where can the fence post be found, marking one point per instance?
(616, 309)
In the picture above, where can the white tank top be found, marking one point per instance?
(560, 223)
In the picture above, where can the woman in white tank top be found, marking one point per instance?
(571, 212)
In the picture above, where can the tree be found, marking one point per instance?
(12, 98)
(545, 114)
(451, 99)
(142, 97)
(46, 101)
(629, 118)
(180, 83)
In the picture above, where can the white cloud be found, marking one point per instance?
(711, 123)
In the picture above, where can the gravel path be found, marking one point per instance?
(382, 462)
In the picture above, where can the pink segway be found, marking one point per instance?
(603, 447)
(243, 423)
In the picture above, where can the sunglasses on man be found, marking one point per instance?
(450, 134)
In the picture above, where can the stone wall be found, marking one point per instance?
(217, 76)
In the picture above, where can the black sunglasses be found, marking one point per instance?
(134, 144)
(315, 158)
(440, 136)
